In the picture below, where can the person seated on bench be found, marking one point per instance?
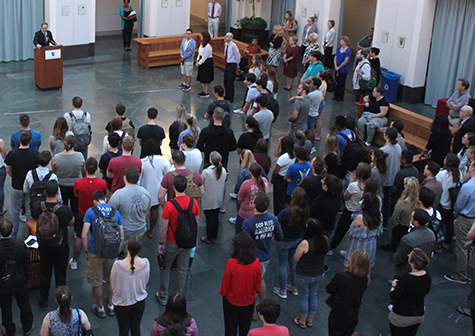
(253, 48)
(375, 117)
(457, 100)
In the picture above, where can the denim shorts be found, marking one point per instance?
(311, 122)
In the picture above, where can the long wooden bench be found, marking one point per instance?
(159, 51)
(218, 52)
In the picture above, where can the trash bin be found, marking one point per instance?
(390, 84)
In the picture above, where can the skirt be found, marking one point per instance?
(206, 72)
(275, 55)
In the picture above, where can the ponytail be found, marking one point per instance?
(256, 172)
(215, 159)
(63, 297)
(191, 120)
(134, 246)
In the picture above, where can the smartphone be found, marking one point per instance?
(31, 242)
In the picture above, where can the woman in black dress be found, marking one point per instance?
(440, 140)
(346, 291)
(128, 15)
(205, 64)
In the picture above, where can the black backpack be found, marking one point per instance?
(355, 152)
(9, 278)
(107, 235)
(187, 228)
(48, 230)
(331, 83)
(273, 105)
(37, 192)
(435, 225)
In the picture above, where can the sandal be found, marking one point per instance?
(463, 311)
(207, 241)
(297, 322)
(309, 324)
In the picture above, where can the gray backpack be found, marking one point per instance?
(107, 235)
(81, 130)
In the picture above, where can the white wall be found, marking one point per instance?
(327, 10)
(412, 20)
(72, 29)
(163, 21)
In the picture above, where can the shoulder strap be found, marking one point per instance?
(79, 322)
(47, 176)
(56, 207)
(190, 206)
(174, 173)
(34, 173)
(190, 175)
(112, 213)
(344, 137)
(97, 211)
(84, 115)
(72, 115)
(177, 205)
(43, 206)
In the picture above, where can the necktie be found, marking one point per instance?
(46, 37)
(226, 54)
(212, 10)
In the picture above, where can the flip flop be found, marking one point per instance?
(297, 322)
(463, 311)
(206, 240)
(309, 324)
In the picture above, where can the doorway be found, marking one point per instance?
(108, 21)
(358, 19)
(199, 16)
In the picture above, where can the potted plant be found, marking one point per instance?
(252, 27)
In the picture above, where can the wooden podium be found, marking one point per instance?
(49, 67)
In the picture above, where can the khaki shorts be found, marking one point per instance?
(98, 268)
(187, 69)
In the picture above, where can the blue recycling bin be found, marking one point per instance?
(390, 84)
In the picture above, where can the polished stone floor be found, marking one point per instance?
(113, 76)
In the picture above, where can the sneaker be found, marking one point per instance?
(186, 88)
(97, 311)
(26, 333)
(110, 310)
(313, 150)
(368, 143)
(390, 307)
(280, 293)
(181, 86)
(454, 278)
(203, 95)
(160, 300)
(343, 253)
(43, 304)
(292, 290)
(330, 253)
(23, 218)
(232, 220)
(238, 111)
(222, 210)
(73, 264)
(233, 195)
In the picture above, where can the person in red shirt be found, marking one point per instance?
(268, 311)
(83, 189)
(167, 245)
(117, 165)
(241, 282)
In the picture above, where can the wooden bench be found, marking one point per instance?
(165, 50)
(218, 52)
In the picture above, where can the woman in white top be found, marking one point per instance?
(116, 125)
(311, 47)
(154, 168)
(352, 197)
(328, 44)
(129, 278)
(214, 183)
(3, 175)
(255, 67)
(193, 155)
(449, 177)
(285, 154)
(205, 64)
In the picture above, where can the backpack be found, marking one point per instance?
(48, 231)
(107, 235)
(37, 192)
(355, 152)
(368, 85)
(127, 128)
(331, 82)
(435, 225)
(273, 105)
(9, 276)
(192, 190)
(187, 228)
(81, 130)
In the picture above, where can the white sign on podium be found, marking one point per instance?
(53, 54)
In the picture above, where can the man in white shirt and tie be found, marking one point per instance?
(231, 59)
(214, 12)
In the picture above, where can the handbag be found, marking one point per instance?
(454, 192)
(81, 330)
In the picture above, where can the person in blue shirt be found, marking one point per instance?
(297, 172)
(25, 126)
(262, 227)
(187, 54)
(340, 126)
(98, 268)
(314, 67)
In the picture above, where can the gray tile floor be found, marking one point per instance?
(113, 76)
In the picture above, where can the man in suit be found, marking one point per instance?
(467, 124)
(43, 37)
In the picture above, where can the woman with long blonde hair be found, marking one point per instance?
(177, 127)
(331, 154)
(276, 41)
(401, 217)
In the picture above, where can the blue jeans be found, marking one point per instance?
(239, 222)
(18, 196)
(307, 288)
(286, 251)
(3, 175)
